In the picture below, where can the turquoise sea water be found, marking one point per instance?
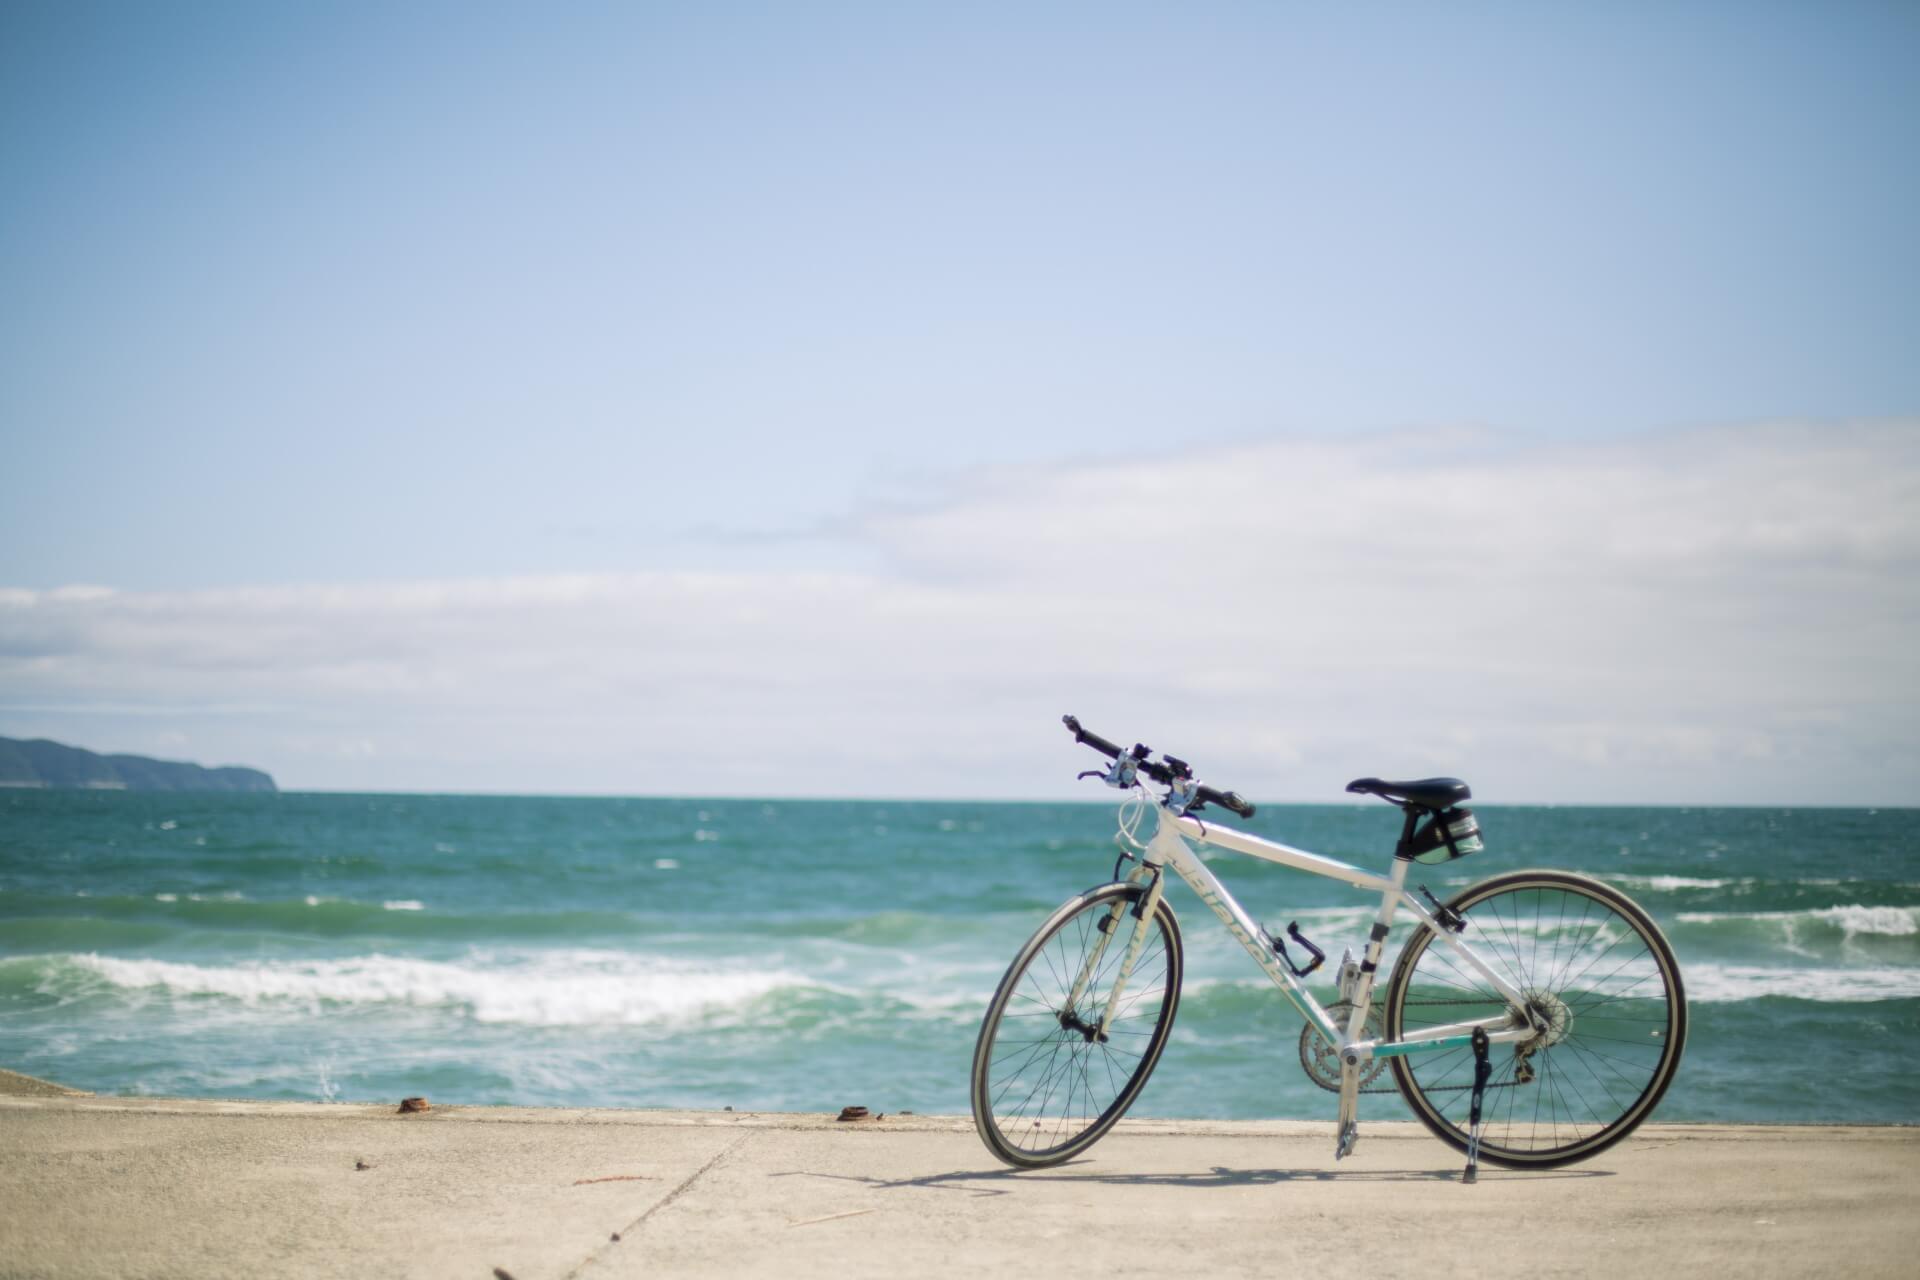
(807, 955)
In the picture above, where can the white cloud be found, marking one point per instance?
(1729, 615)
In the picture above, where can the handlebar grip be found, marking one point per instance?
(1229, 800)
(1093, 740)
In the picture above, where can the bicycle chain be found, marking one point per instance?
(1438, 1088)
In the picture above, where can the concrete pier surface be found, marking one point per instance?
(114, 1186)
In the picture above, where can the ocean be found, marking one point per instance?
(809, 955)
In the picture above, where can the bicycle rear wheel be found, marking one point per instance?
(1044, 1086)
(1595, 970)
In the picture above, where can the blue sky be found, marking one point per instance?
(329, 327)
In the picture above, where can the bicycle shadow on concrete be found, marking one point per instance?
(1006, 1180)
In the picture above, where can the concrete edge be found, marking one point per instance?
(73, 1100)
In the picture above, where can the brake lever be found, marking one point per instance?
(1121, 774)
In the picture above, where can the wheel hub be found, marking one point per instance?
(1072, 1021)
(1550, 1014)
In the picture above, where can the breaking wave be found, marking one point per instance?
(1730, 984)
(554, 988)
(1841, 932)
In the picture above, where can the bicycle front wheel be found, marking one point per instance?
(1596, 973)
(1046, 1086)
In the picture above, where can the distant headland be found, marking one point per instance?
(42, 764)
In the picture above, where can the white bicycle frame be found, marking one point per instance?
(1170, 847)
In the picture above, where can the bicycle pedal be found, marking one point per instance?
(1349, 972)
(1349, 1135)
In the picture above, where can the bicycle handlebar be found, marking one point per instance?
(1093, 740)
(1232, 801)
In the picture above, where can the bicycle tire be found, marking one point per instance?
(1043, 1091)
(1605, 980)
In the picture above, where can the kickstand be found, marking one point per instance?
(1482, 1069)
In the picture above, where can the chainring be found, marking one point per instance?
(1321, 1061)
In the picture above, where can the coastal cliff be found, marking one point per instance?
(40, 763)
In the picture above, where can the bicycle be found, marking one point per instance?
(1563, 978)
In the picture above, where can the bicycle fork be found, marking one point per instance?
(1143, 908)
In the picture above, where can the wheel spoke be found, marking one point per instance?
(1592, 968)
(1043, 1092)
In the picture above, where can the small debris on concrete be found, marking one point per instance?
(414, 1104)
(616, 1237)
(361, 1164)
(853, 1113)
(616, 1177)
(501, 1273)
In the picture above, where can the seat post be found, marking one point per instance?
(1404, 850)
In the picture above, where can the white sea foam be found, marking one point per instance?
(1852, 920)
(404, 904)
(561, 988)
(1334, 918)
(1897, 921)
(1671, 884)
(1728, 984)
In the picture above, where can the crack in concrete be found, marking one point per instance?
(626, 1232)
